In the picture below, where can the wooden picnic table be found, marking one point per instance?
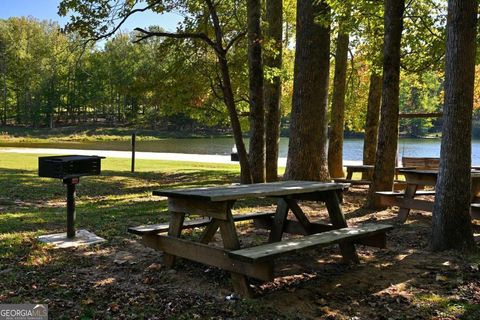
(367, 173)
(416, 180)
(216, 204)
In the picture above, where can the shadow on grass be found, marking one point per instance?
(26, 186)
(106, 205)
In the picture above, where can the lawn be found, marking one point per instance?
(123, 279)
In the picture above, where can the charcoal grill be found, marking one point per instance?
(69, 168)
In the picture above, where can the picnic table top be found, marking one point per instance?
(371, 166)
(430, 172)
(256, 190)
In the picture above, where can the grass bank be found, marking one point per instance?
(83, 133)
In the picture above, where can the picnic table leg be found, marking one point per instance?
(410, 191)
(174, 230)
(279, 221)
(338, 221)
(475, 190)
(301, 217)
(231, 242)
(349, 173)
(209, 231)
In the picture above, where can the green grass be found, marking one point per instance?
(105, 204)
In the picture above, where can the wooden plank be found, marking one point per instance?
(421, 162)
(194, 223)
(216, 210)
(293, 227)
(404, 210)
(208, 255)
(354, 182)
(163, 227)
(174, 230)
(338, 221)
(302, 219)
(270, 251)
(402, 193)
(231, 242)
(416, 204)
(256, 190)
(209, 232)
(317, 196)
(475, 210)
(279, 219)
(360, 167)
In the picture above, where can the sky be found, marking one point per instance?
(47, 10)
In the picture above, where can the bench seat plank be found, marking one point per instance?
(272, 250)
(354, 182)
(401, 194)
(195, 223)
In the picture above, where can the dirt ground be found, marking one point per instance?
(125, 280)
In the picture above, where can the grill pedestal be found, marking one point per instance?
(71, 205)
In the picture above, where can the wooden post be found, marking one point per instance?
(133, 152)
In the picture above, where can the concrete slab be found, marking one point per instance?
(82, 238)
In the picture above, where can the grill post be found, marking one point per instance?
(71, 182)
(133, 151)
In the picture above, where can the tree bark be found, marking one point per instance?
(451, 225)
(388, 130)
(373, 116)
(337, 120)
(273, 87)
(257, 108)
(307, 156)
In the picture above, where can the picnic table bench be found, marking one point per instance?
(416, 179)
(257, 262)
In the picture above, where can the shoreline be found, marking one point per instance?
(187, 157)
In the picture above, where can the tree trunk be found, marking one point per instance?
(257, 108)
(388, 131)
(307, 156)
(5, 104)
(373, 116)
(245, 175)
(228, 98)
(451, 225)
(337, 120)
(273, 87)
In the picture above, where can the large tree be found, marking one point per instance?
(372, 119)
(337, 118)
(307, 156)
(388, 130)
(451, 212)
(273, 85)
(257, 109)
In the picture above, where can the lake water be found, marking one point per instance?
(352, 149)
